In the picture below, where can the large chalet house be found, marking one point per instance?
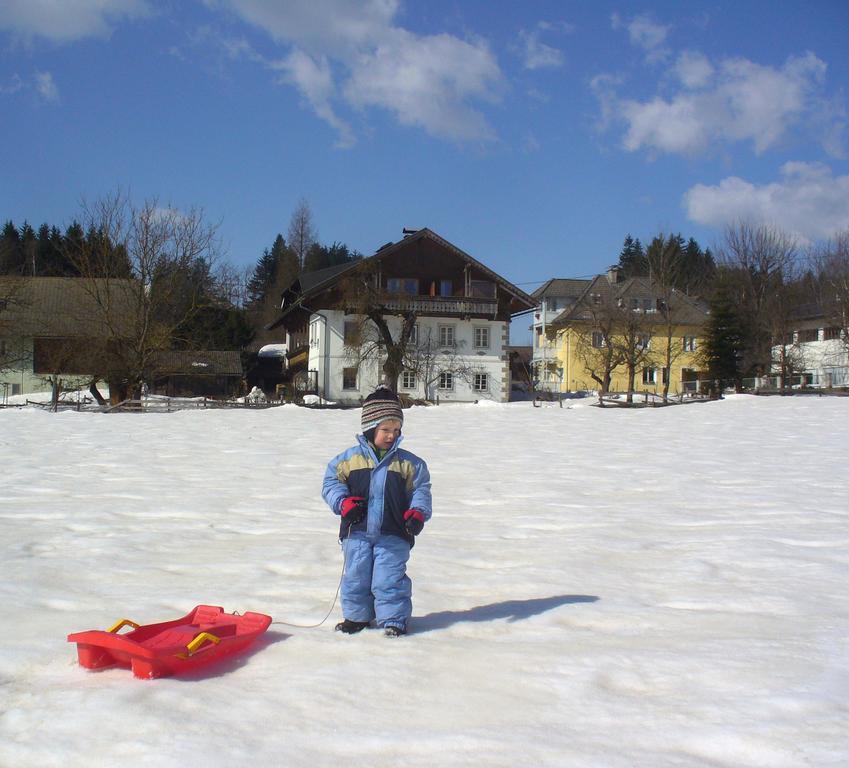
(621, 335)
(456, 312)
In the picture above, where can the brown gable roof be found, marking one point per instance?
(311, 284)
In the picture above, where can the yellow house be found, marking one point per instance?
(628, 335)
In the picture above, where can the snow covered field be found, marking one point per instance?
(597, 588)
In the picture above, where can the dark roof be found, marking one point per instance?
(560, 286)
(430, 234)
(69, 307)
(310, 284)
(687, 310)
(198, 363)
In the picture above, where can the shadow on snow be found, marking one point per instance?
(512, 610)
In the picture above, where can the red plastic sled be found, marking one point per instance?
(159, 650)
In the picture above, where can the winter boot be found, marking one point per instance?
(351, 627)
(393, 631)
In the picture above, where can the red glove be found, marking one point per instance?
(354, 509)
(413, 522)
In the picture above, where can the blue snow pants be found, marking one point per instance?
(375, 584)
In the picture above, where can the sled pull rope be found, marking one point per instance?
(335, 598)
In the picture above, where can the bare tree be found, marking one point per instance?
(363, 297)
(302, 233)
(832, 263)
(757, 259)
(169, 256)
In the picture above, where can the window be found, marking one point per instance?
(660, 305)
(408, 285)
(408, 380)
(481, 382)
(831, 333)
(664, 375)
(596, 298)
(643, 341)
(351, 335)
(598, 340)
(481, 338)
(414, 335)
(635, 303)
(16, 389)
(349, 378)
(689, 343)
(446, 380)
(809, 334)
(446, 335)
(3, 349)
(649, 375)
(446, 288)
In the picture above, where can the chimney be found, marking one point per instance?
(613, 274)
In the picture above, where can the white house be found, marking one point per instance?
(818, 348)
(459, 311)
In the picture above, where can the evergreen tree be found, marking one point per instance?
(262, 277)
(320, 256)
(29, 250)
(632, 258)
(11, 256)
(723, 349)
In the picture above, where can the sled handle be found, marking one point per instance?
(123, 623)
(198, 642)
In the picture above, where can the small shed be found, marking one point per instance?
(202, 373)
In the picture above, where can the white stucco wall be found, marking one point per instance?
(328, 357)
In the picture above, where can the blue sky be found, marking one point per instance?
(533, 135)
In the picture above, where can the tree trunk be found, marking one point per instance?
(95, 393)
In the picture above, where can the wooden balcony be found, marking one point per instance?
(444, 305)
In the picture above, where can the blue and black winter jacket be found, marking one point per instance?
(392, 485)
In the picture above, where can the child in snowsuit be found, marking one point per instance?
(382, 494)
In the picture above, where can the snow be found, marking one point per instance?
(597, 588)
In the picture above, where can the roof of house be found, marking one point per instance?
(198, 363)
(687, 310)
(560, 286)
(68, 307)
(310, 284)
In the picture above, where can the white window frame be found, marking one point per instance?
(446, 381)
(447, 336)
(598, 340)
(690, 343)
(643, 341)
(481, 382)
(481, 330)
(408, 380)
(649, 375)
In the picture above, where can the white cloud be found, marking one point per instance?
(645, 33)
(314, 79)
(536, 54)
(46, 87)
(808, 201)
(693, 69)
(348, 53)
(67, 20)
(736, 101)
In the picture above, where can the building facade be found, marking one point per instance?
(456, 312)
